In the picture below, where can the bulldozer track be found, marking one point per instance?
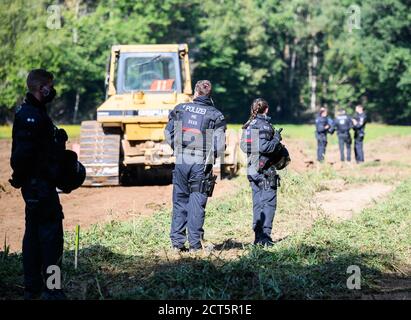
(100, 154)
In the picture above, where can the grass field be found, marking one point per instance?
(293, 131)
(306, 131)
(73, 131)
(132, 259)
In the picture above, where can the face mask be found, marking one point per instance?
(49, 94)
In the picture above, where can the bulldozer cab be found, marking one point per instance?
(148, 69)
(148, 72)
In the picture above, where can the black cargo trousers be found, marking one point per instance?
(344, 143)
(264, 207)
(188, 206)
(321, 145)
(43, 237)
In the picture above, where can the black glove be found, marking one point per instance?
(61, 136)
(15, 184)
(277, 135)
(16, 181)
(207, 169)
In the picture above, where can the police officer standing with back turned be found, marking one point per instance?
(196, 132)
(343, 124)
(359, 119)
(323, 126)
(260, 142)
(36, 146)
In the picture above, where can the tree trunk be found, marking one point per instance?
(75, 41)
(291, 95)
(313, 77)
(76, 107)
(292, 64)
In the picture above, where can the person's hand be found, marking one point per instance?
(354, 122)
(15, 184)
(327, 126)
(16, 181)
(61, 136)
(277, 135)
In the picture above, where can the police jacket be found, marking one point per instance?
(197, 128)
(343, 124)
(259, 142)
(359, 128)
(35, 150)
(320, 123)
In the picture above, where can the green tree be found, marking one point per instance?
(297, 54)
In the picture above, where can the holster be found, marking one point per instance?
(271, 179)
(206, 185)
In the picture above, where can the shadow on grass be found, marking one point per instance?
(302, 272)
(230, 244)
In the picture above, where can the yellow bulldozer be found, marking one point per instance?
(126, 143)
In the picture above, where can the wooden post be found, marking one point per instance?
(77, 245)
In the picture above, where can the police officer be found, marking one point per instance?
(36, 145)
(343, 124)
(323, 126)
(359, 119)
(259, 141)
(196, 132)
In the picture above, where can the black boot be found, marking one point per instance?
(53, 295)
(31, 295)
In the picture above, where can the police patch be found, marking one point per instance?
(195, 109)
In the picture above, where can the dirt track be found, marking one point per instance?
(88, 206)
(85, 206)
(344, 204)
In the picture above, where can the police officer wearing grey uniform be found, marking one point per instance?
(36, 146)
(196, 132)
(343, 124)
(259, 141)
(359, 120)
(323, 126)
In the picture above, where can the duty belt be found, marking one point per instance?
(194, 186)
(270, 182)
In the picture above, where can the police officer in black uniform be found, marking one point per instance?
(196, 132)
(323, 126)
(343, 124)
(36, 146)
(260, 141)
(359, 120)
